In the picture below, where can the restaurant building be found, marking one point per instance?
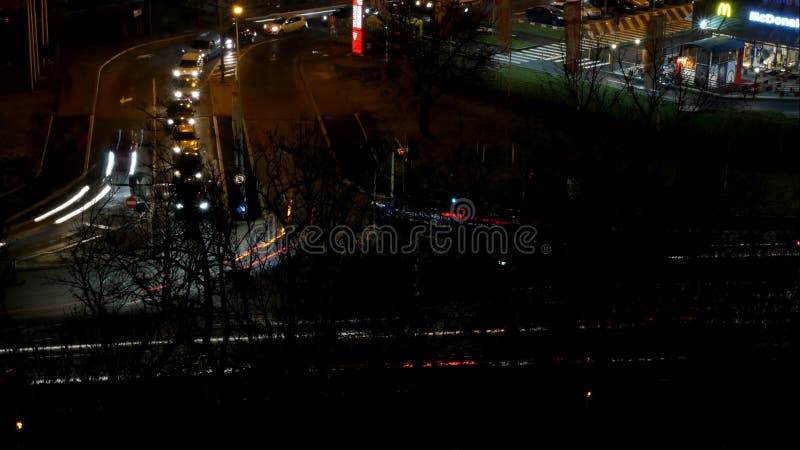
(769, 29)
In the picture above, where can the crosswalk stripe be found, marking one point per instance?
(556, 50)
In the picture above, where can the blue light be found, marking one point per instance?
(242, 209)
(453, 200)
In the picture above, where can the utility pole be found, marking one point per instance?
(221, 43)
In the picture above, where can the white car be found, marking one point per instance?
(283, 25)
(190, 65)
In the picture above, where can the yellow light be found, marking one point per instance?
(724, 9)
(588, 394)
(19, 425)
(237, 9)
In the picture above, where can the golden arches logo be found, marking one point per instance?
(724, 9)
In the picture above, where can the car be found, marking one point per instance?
(642, 4)
(591, 11)
(190, 200)
(207, 44)
(283, 25)
(185, 141)
(180, 112)
(186, 88)
(618, 6)
(587, 10)
(188, 169)
(247, 36)
(549, 15)
(191, 64)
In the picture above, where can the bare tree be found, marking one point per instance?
(440, 50)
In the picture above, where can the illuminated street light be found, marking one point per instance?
(237, 11)
(610, 54)
(637, 42)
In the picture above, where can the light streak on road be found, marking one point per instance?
(264, 259)
(74, 199)
(86, 206)
(110, 163)
(260, 246)
(133, 163)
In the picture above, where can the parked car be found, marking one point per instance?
(619, 6)
(283, 25)
(549, 15)
(592, 12)
(587, 10)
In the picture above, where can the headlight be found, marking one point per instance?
(429, 5)
(195, 94)
(203, 205)
(178, 94)
(176, 149)
(170, 121)
(194, 73)
(178, 173)
(178, 205)
(198, 175)
(191, 121)
(176, 72)
(274, 28)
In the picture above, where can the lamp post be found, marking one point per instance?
(637, 41)
(237, 10)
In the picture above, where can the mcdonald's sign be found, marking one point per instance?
(724, 9)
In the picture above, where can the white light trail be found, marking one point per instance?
(74, 199)
(86, 206)
(110, 163)
(133, 163)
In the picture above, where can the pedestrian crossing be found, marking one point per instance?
(590, 41)
(632, 22)
(229, 59)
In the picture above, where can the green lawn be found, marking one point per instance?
(538, 30)
(493, 40)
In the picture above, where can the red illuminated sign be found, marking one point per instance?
(358, 13)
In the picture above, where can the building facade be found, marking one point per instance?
(770, 29)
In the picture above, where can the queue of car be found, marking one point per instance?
(188, 194)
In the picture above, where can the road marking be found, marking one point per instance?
(124, 100)
(146, 55)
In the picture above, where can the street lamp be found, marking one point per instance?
(237, 11)
(637, 42)
(613, 49)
